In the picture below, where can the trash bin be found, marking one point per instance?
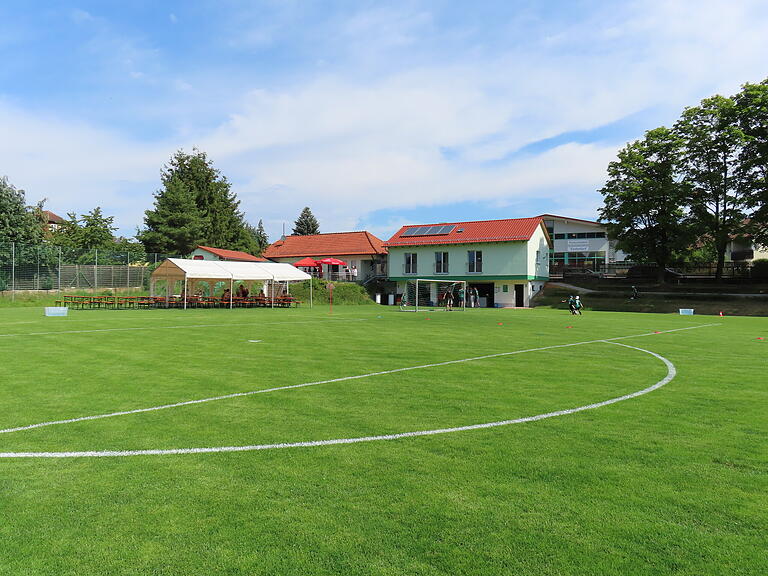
(378, 298)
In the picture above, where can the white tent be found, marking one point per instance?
(181, 269)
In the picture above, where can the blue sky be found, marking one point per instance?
(374, 114)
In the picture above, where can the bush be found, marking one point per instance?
(760, 268)
(343, 292)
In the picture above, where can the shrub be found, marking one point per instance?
(343, 292)
(760, 268)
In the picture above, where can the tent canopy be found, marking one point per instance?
(180, 268)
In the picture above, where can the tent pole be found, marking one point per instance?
(231, 286)
(185, 291)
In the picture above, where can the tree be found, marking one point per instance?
(17, 222)
(90, 231)
(644, 199)
(752, 110)
(221, 222)
(96, 230)
(174, 226)
(306, 224)
(714, 145)
(261, 236)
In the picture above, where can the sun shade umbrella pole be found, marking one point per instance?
(231, 286)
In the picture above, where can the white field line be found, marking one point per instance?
(342, 379)
(671, 372)
(179, 327)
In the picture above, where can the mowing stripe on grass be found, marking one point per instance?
(671, 372)
(342, 379)
(332, 380)
(57, 332)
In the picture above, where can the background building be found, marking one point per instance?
(507, 261)
(581, 244)
(359, 250)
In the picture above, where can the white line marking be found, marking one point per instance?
(254, 341)
(332, 380)
(671, 372)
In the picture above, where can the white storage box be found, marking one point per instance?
(56, 310)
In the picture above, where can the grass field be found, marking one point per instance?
(671, 482)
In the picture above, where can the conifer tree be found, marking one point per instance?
(174, 226)
(306, 223)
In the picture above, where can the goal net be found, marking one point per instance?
(422, 294)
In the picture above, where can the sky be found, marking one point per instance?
(373, 114)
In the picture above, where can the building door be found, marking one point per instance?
(519, 295)
(485, 293)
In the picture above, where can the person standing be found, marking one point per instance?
(572, 304)
(354, 273)
(462, 301)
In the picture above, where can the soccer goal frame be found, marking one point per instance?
(428, 294)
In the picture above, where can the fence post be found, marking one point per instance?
(37, 280)
(13, 271)
(127, 269)
(96, 271)
(59, 269)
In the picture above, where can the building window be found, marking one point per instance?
(475, 259)
(410, 263)
(441, 262)
(559, 236)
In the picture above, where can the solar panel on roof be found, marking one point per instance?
(409, 232)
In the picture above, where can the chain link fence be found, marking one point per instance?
(44, 267)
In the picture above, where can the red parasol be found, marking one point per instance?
(306, 263)
(332, 262)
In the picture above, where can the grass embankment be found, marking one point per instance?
(31, 299)
(617, 299)
(343, 292)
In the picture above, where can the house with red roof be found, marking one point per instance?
(505, 261)
(208, 253)
(363, 253)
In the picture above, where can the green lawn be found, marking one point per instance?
(671, 482)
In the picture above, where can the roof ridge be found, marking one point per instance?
(472, 221)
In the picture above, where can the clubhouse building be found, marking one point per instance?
(507, 261)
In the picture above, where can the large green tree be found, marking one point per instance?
(306, 223)
(17, 222)
(720, 195)
(222, 224)
(89, 231)
(752, 110)
(175, 225)
(644, 199)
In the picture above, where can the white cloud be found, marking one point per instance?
(348, 141)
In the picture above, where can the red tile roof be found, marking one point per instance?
(233, 255)
(510, 230)
(333, 244)
(52, 218)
